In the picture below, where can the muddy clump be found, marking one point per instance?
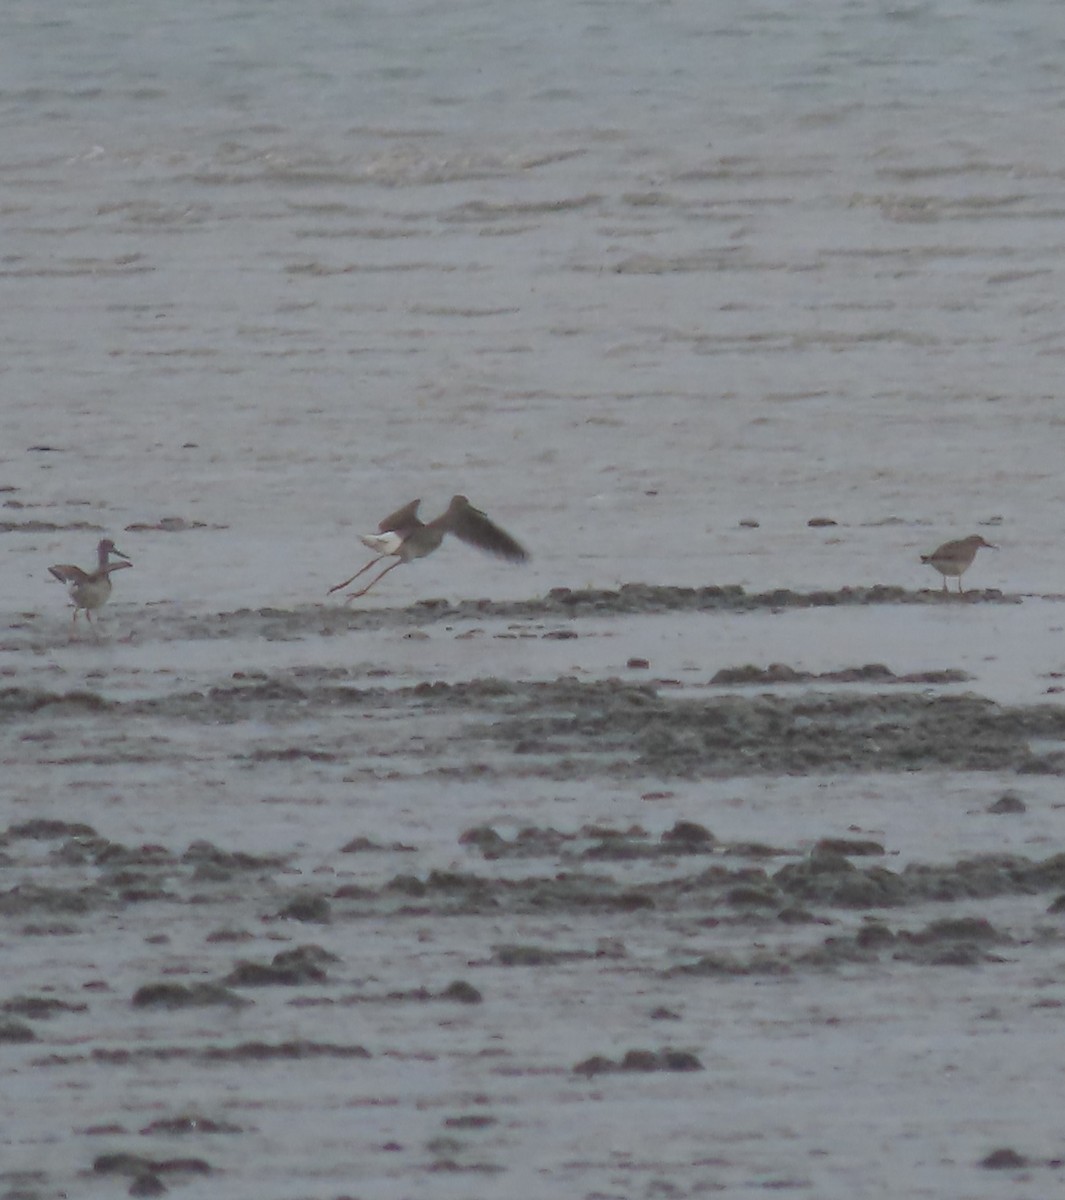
(597, 729)
(288, 968)
(639, 1061)
(179, 995)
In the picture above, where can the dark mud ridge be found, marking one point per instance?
(874, 673)
(564, 728)
(560, 604)
(638, 598)
(631, 599)
(624, 727)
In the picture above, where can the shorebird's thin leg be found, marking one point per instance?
(376, 579)
(361, 571)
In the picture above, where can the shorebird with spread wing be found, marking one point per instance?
(90, 589)
(403, 536)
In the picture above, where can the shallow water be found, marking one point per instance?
(626, 274)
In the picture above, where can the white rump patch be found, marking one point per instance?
(382, 543)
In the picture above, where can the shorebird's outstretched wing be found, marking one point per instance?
(472, 526)
(402, 519)
(66, 573)
(118, 566)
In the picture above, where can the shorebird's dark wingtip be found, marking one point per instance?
(471, 525)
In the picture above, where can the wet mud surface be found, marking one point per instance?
(669, 925)
(564, 728)
(320, 915)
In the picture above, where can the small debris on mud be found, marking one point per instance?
(470, 1121)
(1004, 1159)
(188, 1124)
(1008, 802)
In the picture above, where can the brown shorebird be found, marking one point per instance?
(955, 558)
(90, 590)
(404, 537)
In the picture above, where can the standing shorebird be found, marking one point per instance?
(404, 537)
(955, 558)
(90, 590)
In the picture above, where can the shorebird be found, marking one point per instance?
(955, 558)
(404, 537)
(87, 589)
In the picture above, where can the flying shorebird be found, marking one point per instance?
(90, 590)
(404, 537)
(955, 558)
